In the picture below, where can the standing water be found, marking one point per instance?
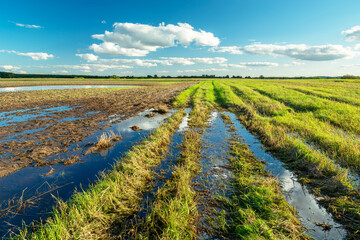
(59, 87)
(297, 195)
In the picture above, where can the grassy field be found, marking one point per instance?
(313, 126)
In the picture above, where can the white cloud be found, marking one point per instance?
(9, 67)
(94, 67)
(134, 39)
(352, 34)
(204, 70)
(127, 72)
(191, 61)
(27, 25)
(297, 63)
(252, 64)
(166, 61)
(22, 72)
(296, 51)
(230, 49)
(294, 63)
(301, 51)
(88, 57)
(34, 55)
(103, 21)
(136, 62)
(60, 72)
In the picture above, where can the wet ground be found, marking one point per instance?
(31, 130)
(32, 188)
(69, 130)
(312, 215)
(215, 177)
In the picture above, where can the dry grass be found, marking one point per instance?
(106, 140)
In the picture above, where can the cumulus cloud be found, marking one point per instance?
(88, 57)
(34, 55)
(9, 68)
(134, 39)
(251, 64)
(301, 51)
(94, 67)
(27, 25)
(230, 49)
(191, 61)
(166, 61)
(352, 34)
(296, 51)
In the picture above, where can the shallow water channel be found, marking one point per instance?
(33, 181)
(58, 87)
(215, 176)
(297, 195)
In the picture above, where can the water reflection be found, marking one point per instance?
(58, 87)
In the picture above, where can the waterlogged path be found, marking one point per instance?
(310, 212)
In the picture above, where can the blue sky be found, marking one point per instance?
(243, 37)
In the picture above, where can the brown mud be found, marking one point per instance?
(53, 133)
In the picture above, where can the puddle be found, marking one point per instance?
(66, 179)
(13, 117)
(58, 87)
(297, 195)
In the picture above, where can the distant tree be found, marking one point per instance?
(261, 77)
(347, 76)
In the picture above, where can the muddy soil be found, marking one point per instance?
(28, 140)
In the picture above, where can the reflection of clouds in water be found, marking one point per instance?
(34, 88)
(184, 123)
(142, 122)
(286, 180)
(308, 208)
(9, 89)
(213, 116)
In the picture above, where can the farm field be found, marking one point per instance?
(223, 159)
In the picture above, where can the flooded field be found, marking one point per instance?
(32, 189)
(59, 87)
(202, 164)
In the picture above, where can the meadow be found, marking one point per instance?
(311, 127)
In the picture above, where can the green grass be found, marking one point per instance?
(174, 212)
(257, 209)
(317, 149)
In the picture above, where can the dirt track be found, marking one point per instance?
(55, 134)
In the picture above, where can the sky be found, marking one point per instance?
(228, 37)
